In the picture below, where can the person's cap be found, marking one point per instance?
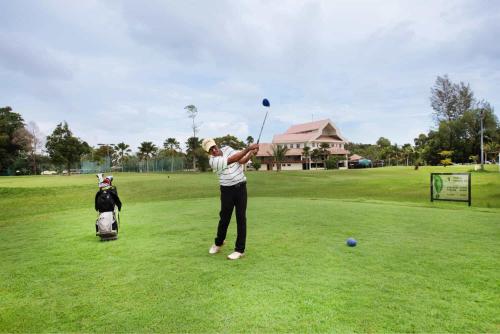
(207, 143)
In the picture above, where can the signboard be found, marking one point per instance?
(450, 187)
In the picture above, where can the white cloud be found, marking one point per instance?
(366, 65)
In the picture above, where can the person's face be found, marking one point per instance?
(214, 151)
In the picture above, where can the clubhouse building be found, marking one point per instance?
(312, 135)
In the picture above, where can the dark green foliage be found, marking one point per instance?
(232, 141)
(256, 163)
(278, 152)
(64, 149)
(332, 162)
(147, 150)
(10, 124)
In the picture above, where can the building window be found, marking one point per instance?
(288, 165)
(298, 145)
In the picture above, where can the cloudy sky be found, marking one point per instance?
(124, 70)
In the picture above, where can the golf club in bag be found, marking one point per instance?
(266, 104)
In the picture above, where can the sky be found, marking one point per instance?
(123, 71)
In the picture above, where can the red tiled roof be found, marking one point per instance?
(264, 148)
(294, 137)
(311, 126)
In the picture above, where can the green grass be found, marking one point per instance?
(418, 266)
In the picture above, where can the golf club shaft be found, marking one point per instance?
(262, 127)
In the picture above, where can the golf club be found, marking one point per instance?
(266, 104)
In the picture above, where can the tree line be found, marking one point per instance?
(24, 150)
(454, 138)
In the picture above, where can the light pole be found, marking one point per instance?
(107, 152)
(481, 113)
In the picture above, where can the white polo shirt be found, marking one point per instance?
(229, 175)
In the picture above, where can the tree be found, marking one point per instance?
(250, 140)
(383, 142)
(229, 140)
(446, 158)
(122, 152)
(10, 122)
(171, 145)
(195, 153)
(306, 153)
(37, 141)
(65, 149)
(256, 163)
(324, 149)
(444, 99)
(315, 155)
(450, 102)
(22, 138)
(407, 151)
(104, 151)
(491, 149)
(279, 153)
(333, 162)
(147, 150)
(192, 112)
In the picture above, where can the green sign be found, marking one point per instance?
(450, 187)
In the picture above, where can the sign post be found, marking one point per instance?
(454, 187)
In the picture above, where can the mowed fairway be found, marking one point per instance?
(418, 266)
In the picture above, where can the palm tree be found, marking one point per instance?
(172, 145)
(306, 152)
(279, 153)
(147, 150)
(122, 150)
(250, 140)
(407, 152)
(323, 147)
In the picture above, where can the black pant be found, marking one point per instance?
(230, 197)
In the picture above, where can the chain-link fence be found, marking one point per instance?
(154, 165)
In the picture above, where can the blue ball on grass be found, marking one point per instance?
(351, 242)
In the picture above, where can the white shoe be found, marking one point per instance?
(235, 255)
(214, 249)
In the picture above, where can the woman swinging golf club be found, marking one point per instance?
(228, 164)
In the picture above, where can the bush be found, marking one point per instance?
(332, 162)
(256, 163)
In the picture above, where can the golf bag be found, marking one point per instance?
(106, 225)
(108, 204)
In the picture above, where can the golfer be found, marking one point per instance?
(228, 164)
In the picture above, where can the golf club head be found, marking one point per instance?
(266, 103)
(100, 177)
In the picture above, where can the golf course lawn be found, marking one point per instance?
(418, 266)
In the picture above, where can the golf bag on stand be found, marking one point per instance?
(107, 224)
(108, 204)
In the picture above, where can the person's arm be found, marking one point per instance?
(248, 156)
(241, 154)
